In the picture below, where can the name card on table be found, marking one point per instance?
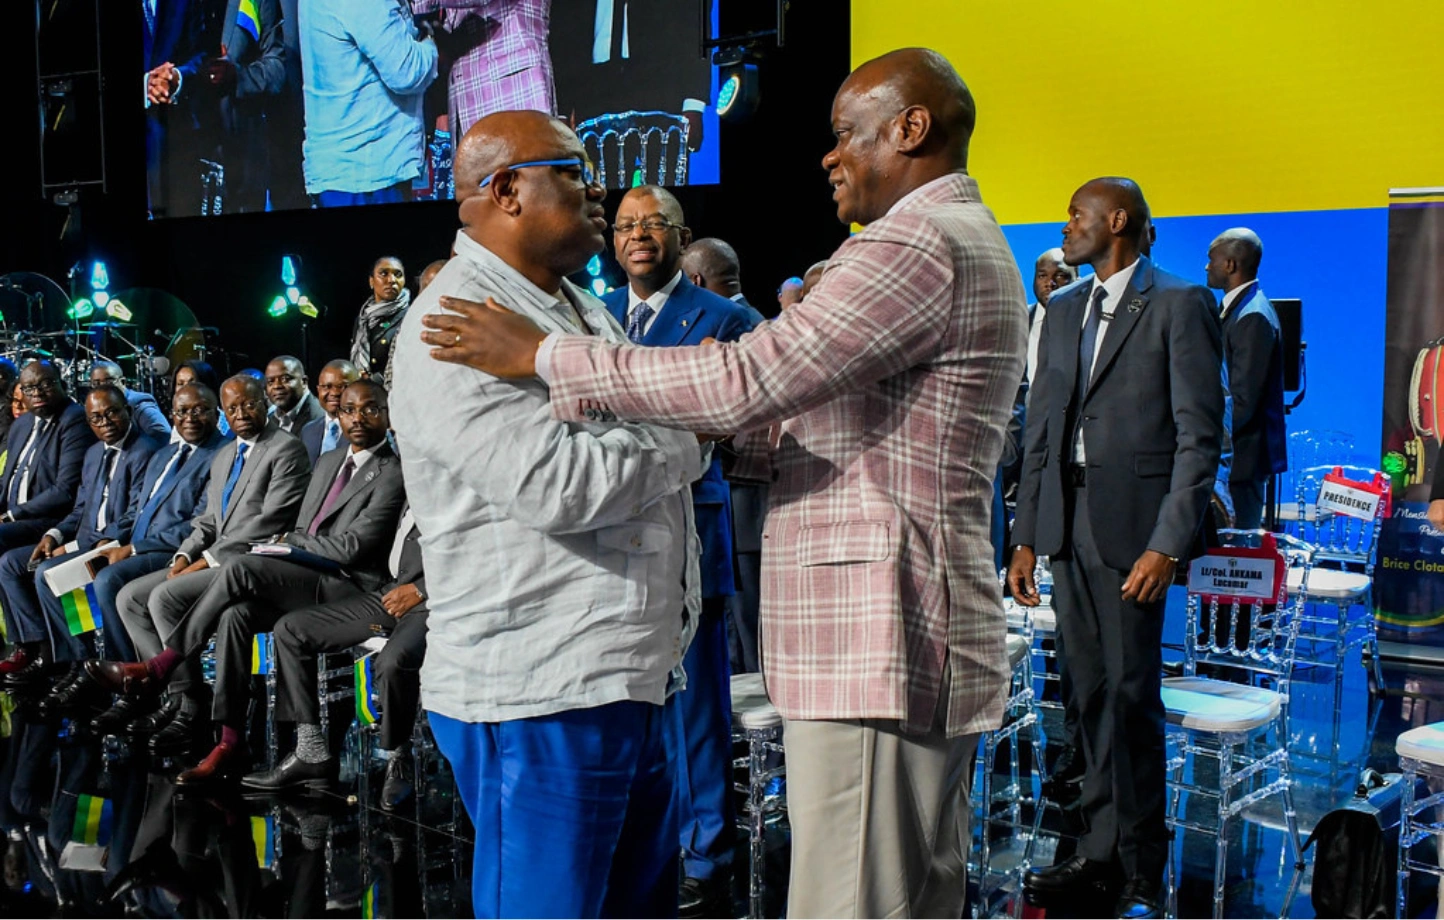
(1350, 498)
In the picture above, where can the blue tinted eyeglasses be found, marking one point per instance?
(589, 172)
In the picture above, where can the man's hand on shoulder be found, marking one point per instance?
(487, 337)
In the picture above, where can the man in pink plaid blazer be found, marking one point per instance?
(883, 628)
(500, 57)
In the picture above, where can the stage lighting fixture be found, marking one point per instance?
(278, 307)
(293, 295)
(739, 93)
(118, 311)
(594, 266)
(80, 309)
(599, 286)
(99, 277)
(306, 308)
(101, 298)
(289, 266)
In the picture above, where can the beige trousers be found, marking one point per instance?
(879, 820)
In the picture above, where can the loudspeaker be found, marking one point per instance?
(1291, 325)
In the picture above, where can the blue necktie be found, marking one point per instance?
(637, 327)
(231, 480)
(332, 436)
(107, 469)
(158, 495)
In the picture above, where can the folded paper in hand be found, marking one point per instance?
(76, 572)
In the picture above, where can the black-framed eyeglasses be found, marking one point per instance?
(196, 412)
(650, 225)
(35, 389)
(589, 172)
(370, 411)
(109, 415)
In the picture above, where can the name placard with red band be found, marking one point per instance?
(1239, 574)
(1351, 498)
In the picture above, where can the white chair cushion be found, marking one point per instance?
(1045, 620)
(374, 644)
(1425, 743)
(1206, 705)
(1017, 648)
(751, 709)
(1331, 584)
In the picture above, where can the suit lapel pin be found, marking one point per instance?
(1135, 305)
(684, 324)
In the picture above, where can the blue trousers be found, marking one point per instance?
(391, 194)
(699, 737)
(572, 812)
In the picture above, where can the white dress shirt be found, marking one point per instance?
(553, 549)
(287, 420)
(657, 301)
(1232, 297)
(1035, 331)
(1114, 287)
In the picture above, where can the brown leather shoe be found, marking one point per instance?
(224, 762)
(122, 677)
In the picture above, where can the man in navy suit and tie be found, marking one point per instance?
(156, 523)
(1253, 355)
(323, 435)
(661, 307)
(112, 470)
(45, 451)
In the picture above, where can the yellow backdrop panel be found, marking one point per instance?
(1272, 105)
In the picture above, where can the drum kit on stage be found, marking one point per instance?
(147, 332)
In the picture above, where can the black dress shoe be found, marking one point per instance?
(1071, 876)
(1139, 900)
(125, 678)
(400, 782)
(705, 897)
(77, 692)
(181, 732)
(293, 772)
(149, 719)
(121, 713)
(35, 670)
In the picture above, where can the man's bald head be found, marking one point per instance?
(901, 121)
(1108, 221)
(545, 220)
(1233, 258)
(663, 202)
(1050, 272)
(713, 264)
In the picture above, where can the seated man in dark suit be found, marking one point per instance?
(323, 435)
(44, 454)
(145, 412)
(112, 472)
(287, 387)
(661, 307)
(339, 545)
(255, 489)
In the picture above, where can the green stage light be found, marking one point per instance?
(278, 307)
(307, 308)
(80, 309)
(118, 311)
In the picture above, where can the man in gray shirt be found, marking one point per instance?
(561, 559)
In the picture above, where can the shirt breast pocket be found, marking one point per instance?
(630, 552)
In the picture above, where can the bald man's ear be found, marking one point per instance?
(1117, 221)
(503, 192)
(914, 124)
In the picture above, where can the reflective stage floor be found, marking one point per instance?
(97, 830)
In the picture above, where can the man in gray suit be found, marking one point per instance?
(1123, 438)
(255, 490)
(339, 546)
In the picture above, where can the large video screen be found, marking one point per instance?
(263, 105)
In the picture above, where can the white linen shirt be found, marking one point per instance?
(561, 558)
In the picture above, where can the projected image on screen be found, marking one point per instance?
(264, 105)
